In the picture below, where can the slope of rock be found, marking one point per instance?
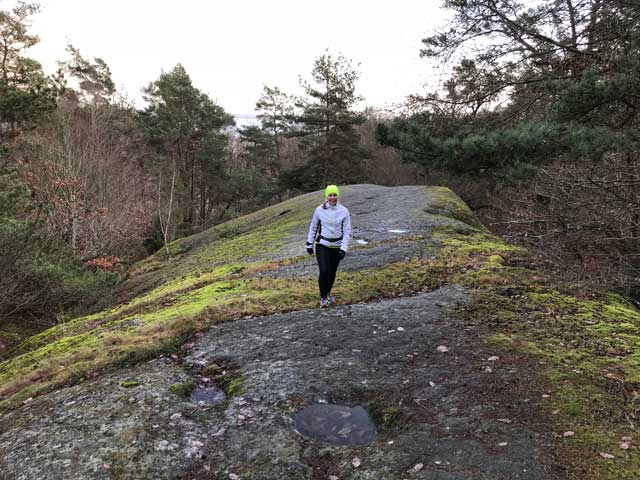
(463, 355)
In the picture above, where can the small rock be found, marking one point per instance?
(233, 476)
(493, 359)
(503, 444)
(400, 329)
(432, 384)
(504, 420)
(487, 370)
(608, 456)
(175, 416)
(568, 434)
(417, 467)
(442, 349)
(333, 477)
(390, 442)
(219, 432)
(356, 462)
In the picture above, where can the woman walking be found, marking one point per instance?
(329, 231)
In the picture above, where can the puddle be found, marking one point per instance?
(395, 230)
(362, 242)
(336, 424)
(210, 395)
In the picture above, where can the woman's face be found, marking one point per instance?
(332, 199)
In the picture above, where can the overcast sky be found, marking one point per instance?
(230, 49)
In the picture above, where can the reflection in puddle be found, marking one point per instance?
(209, 395)
(336, 424)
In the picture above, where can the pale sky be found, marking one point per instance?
(230, 49)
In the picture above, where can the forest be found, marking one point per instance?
(536, 129)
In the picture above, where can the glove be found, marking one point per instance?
(310, 250)
(342, 254)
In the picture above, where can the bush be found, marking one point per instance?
(41, 277)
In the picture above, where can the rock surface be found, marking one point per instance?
(413, 363)
(382, 356)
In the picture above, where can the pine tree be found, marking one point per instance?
(183, 123)
(328, 124)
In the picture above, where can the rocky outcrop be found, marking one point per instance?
(208, 367)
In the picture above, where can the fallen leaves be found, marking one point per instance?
(625, 444)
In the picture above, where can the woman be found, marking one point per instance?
(330, 231)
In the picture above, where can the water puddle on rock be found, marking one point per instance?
(336, 424)
(208, 395)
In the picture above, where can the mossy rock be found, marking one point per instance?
(183, 389)
(129, 383)
(385, 416)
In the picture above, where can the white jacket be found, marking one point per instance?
(330, 226)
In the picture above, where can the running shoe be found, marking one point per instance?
(331, 300)
(324, 303)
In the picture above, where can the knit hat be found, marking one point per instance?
(331, 189)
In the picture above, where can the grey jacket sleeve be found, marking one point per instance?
(313, 228)
(346, 232)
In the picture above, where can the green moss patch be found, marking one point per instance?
(444, 202)
(183, 389)
(588, 346)
(383, 415)
(129, 384)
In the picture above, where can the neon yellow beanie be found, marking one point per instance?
(331, 189)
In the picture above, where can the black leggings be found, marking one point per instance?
(328, 260)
